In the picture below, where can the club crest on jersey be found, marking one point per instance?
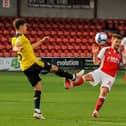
(113, 59)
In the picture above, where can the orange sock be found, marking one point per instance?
(79, 82)
(99, 103)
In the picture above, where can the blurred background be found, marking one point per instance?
(71, 25)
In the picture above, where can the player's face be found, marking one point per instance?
(116, 43)
(23, 28)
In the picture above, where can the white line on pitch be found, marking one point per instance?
(100, 122)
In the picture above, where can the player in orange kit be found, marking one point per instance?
(109, 58)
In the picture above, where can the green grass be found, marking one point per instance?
(61, 107)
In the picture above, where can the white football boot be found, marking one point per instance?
(38, 116)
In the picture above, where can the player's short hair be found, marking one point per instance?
(18, 22)
(115, 35)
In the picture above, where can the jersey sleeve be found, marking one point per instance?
(101, 53)
(17, 41)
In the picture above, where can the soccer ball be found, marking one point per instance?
(101, 38)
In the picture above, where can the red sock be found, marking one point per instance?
(79, 82)
(99, 103)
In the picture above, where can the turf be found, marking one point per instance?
(61, 107)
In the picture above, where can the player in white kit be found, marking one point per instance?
(109, 58)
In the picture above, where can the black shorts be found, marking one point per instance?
(33, 72)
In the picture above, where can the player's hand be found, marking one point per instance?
(17, 48)
(95, 49)
(45, 39)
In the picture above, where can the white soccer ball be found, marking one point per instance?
(101, 38)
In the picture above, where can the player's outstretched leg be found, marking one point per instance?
(69, 84)
(79, 81)
(66, 75)
(62, 73)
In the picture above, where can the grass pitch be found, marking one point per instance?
(61, 107)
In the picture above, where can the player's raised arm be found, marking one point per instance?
(38, 43)
(95, 51)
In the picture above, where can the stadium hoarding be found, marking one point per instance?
(12, 63)
(66, 63)
(9, 64)
(72, 63)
